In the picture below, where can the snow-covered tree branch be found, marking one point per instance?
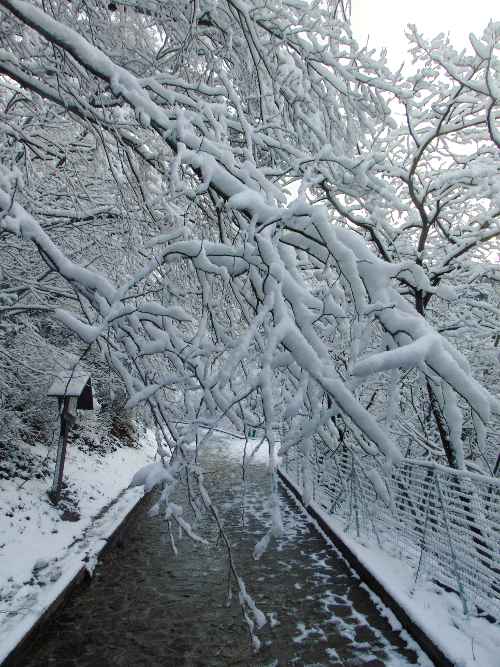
(148, 154)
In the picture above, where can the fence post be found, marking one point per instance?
(354, 495)
(423, 546)
(452, 550)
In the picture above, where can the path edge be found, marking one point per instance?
(433, 651)
(20, 651)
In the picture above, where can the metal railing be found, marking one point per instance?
(445, 523)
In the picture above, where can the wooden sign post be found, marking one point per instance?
(74, 392)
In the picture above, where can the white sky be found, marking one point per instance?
(385, 22)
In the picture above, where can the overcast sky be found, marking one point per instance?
(385, 21)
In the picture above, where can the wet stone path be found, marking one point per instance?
(147, 607)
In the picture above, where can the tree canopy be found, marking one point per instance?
(252, 220)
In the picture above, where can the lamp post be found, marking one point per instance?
(73, 389)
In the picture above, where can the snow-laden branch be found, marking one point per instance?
(280, 298)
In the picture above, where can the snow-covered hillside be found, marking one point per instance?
(43, 546)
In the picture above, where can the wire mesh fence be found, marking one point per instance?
(444, 522)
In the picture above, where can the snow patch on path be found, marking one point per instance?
(256, 450)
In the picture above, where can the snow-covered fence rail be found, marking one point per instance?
(444, 522)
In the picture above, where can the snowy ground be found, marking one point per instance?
(467, 641)
(43, 547)
(41, 551)
(147, 607)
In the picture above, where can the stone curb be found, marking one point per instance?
(18, 654)
(414, 630)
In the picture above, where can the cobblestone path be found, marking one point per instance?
(146, 607)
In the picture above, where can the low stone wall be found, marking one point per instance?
(16, 658)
